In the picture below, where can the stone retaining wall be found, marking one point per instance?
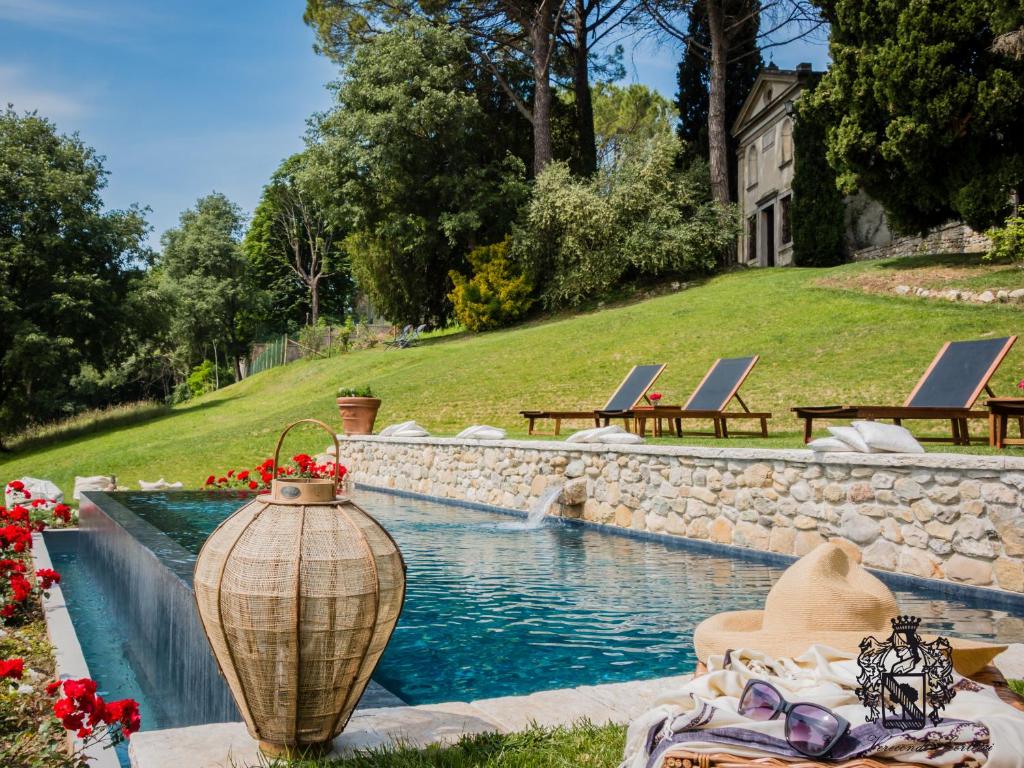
(949, 238)
(943, 516)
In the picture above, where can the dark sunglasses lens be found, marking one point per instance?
(811, 729)
(759, 702)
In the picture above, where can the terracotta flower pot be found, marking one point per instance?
(358, 414)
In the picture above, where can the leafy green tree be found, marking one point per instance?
(818, 211)
(416, 175)
(65, 268)
(926, 117)
(205, 274)
(643, 218)
(626, 119)
(296, 248)
(743, 63)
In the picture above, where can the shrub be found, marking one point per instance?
(643, 217)
(496, 295)
(201, 380)
(1008, 240)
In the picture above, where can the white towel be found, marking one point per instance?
(160, 485)
(405, 429)
(482, 432)
(611, 434)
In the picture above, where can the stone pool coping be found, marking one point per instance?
(67, 651)
(924, 460)
(228, 745)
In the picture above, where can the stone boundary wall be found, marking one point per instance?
(949, 238)
(942, 516)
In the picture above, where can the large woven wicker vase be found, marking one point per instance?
(299, 592)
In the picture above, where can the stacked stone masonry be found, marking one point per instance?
(941, 516)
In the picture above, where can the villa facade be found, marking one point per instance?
(765, 155)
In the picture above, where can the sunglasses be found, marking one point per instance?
(811, 729)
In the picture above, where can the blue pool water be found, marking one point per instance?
(496, 610)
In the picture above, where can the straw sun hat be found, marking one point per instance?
(824, 597)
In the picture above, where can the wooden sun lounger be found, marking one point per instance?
(619, 406)
(720, 385)
(947, 391)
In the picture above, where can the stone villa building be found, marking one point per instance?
(764, 134)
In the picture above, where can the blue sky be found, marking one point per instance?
(188, 97)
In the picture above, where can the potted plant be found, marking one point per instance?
(358, 409)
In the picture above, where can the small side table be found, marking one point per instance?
(642, 413)
(1000, 411)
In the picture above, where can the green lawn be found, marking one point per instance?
(818, 345)
(582, 746)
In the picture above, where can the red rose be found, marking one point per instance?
(253, 485)
(7, 611)
(16, 485)
(243, 475)
(52, 688)
(12, 668)
(62, 512)
(210, 480)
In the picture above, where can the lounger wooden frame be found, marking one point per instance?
(626, 415)
(958, 418)
(719, 417)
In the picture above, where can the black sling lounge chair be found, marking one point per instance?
(630, 392)
(720, 385)
(948, 390)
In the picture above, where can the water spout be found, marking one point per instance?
(543, 505)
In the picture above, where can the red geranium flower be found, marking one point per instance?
(52, 688)
(16, 485)
(12, 668)
(20, 587)
(47, 577)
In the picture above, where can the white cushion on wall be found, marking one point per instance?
(887, 437)
(851, 437)
(829, 445)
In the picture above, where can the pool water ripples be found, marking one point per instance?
(495, 610)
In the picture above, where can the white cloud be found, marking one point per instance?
(17, 88)
(46, 13)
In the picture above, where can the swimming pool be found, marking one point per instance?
(494, 610)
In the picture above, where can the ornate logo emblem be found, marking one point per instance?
(290, 492)
(904, 680)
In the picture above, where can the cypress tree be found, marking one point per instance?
(818, 211)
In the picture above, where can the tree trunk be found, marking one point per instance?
(314, 300)
(541, 42)
(581, 84)
(718, 143)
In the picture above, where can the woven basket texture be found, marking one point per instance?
(298, 603)
(722, 760)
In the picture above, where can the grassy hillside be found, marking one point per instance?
(819, 344)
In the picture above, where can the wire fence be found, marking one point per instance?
(281, 350)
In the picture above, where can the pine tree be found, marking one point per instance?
(693, 77)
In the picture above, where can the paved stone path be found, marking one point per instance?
(228, 745)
